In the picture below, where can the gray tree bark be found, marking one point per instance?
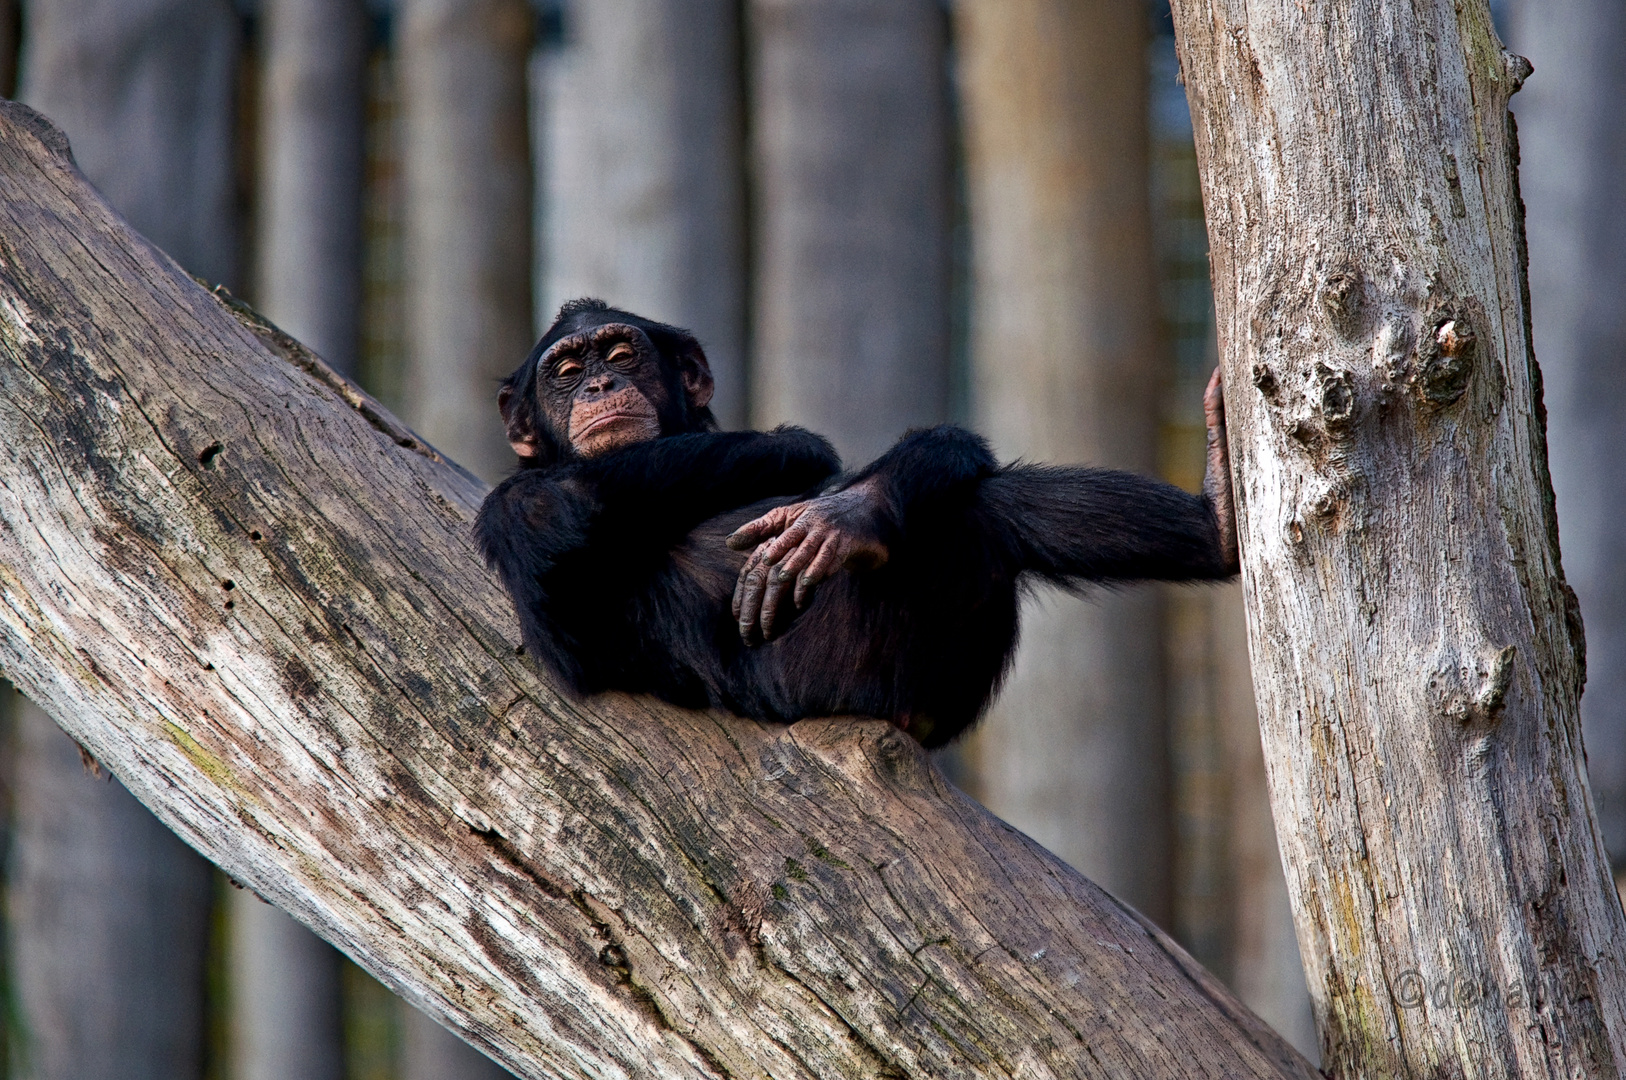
(645, 172)
(852, 201)
(1417, 653)
(1572, 122)
(1065, 369)
(108, 910)
(464, 93)
(311, 150)
(255, 596)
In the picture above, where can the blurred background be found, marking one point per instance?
(874, 214)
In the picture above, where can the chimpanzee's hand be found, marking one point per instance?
(1217, 476)
(809, 541)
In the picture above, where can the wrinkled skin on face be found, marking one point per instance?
(604, 387)
(599, 390)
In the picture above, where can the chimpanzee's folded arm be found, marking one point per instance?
(683, 480)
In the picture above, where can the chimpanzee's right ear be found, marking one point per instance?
(520, 424)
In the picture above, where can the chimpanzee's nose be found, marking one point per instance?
(601, 383)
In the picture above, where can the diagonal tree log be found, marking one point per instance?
(1418, 657)
(252, 594)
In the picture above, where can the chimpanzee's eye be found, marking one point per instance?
(622, 356)
(568, 368)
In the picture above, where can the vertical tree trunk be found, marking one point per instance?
(1265, 968)
(1065, 369)
(108, 909)
(1572, 122)
(309, 246)
(852, 167)
(645, 177)
(1417, 654)
(463, 70)
(144, 90)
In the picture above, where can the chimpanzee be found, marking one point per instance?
(647, 551)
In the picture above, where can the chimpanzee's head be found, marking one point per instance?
(601, 379)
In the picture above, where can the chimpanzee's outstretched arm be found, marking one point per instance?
(1102, 525)
(1064, 524)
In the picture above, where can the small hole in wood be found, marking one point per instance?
(230, 604)
(228, 584)
(255, 535)
(210, 452)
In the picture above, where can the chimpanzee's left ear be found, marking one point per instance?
(698, 384)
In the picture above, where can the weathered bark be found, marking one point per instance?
(645, 172)
(1065, 369)
(1417, 654)
(467, 165)
(108, 911)
(253, 594)
(852, 182)
(309, 221)
(1572, 122)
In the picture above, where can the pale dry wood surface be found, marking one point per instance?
(1418, 658)
(253, 595)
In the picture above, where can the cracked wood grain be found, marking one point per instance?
(253, 595)
(1418, 657)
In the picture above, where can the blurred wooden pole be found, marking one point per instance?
(1065, 369)
(467, 163)
(286, 1019)
(1572, 124)
(431, 1052)
(464, 80)
(108, 909)
(145, 91)
(285, 1007)
(852, 199)
(309, 224)
(644, 175)
(108, 916)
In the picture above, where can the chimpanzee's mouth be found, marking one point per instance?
(613, 418)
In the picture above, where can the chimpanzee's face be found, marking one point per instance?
(603, 388)
(602, 385)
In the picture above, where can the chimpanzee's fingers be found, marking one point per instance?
(748, 598)
(823, 565)
(752, 562)
(770, 524)
(785, 542)
(771, 597)
(1214, 402)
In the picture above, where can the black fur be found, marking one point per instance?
(622, 581)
